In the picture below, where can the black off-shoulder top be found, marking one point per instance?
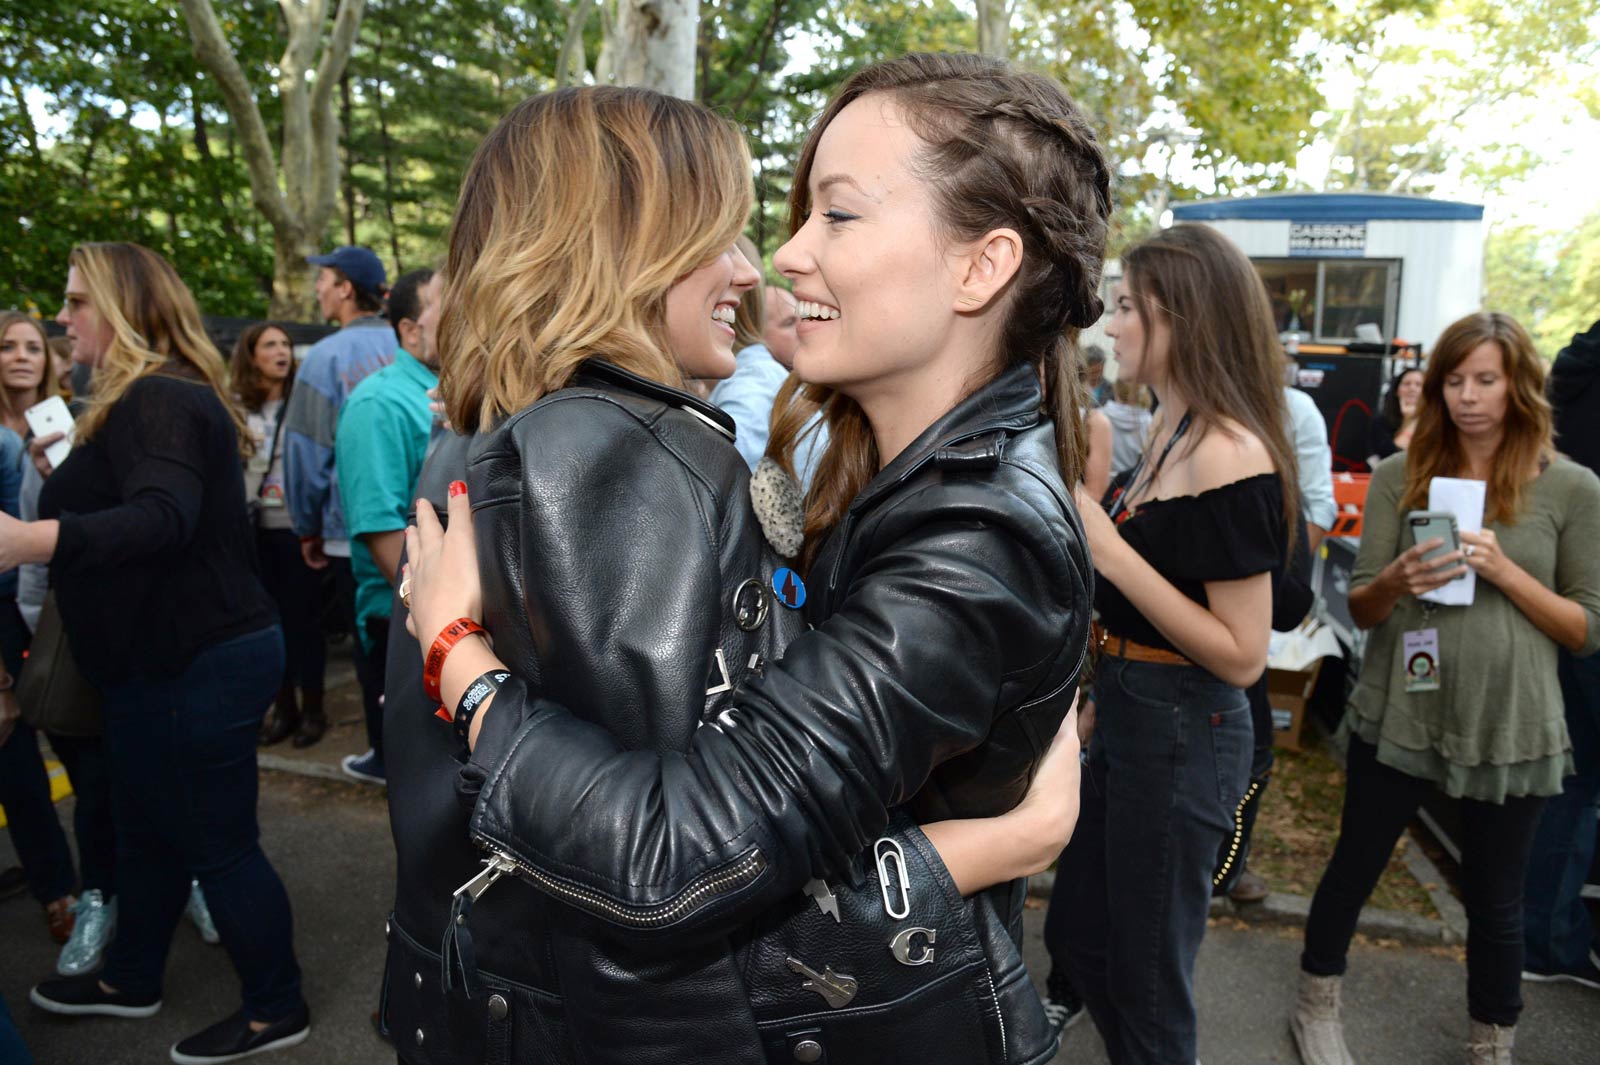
(1226, 533)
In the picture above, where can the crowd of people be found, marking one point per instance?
(763, 637)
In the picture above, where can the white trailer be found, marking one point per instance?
(1403, 267)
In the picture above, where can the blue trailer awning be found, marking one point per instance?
(1328, 207)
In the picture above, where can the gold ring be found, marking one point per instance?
(405, 593)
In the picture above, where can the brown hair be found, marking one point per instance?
(46, 386)
(1435, 449)
(579, 212)
(750, 320)
(248, 384)
(1225, 356)
(1002, 148)
(154, 320)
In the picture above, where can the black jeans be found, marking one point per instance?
(88, 767)
(183, 757)
(1168, 764)
(297, 589)
(1496, 838)
(371, 664)
(25, 787)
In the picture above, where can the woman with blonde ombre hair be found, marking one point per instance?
(149, 544)
(699, 887)
(1481, 718)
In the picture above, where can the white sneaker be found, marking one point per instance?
(95, 924)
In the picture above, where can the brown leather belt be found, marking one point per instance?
(1120, 647)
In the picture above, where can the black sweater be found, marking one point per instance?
(155, 561)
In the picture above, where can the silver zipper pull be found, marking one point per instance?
(494, 868)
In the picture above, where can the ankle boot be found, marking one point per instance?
(313, 721)
(283, 720)
(1490, 1044)
(1318, 1030)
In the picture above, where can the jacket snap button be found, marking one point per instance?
(419, 1037)
(386, 930)
(416, 981)
(808, 1050)
(498, 1008)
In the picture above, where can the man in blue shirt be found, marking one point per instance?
(349, 291)
(382, 440)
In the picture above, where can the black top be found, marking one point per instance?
(1224, 534)
(155, 561)
(1381, 439)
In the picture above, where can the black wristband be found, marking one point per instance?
(473, 697)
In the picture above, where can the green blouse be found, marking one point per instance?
(1495, 727)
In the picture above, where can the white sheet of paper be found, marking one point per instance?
(1465, 500)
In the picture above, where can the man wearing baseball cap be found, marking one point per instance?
(350, 291)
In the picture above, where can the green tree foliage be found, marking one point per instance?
(133, 149)
(1550, 282)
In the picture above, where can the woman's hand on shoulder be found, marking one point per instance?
(440, 578)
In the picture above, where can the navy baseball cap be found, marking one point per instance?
(361, 265)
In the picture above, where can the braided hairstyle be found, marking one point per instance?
(1002, 149)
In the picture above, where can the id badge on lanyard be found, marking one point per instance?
(1421, 649)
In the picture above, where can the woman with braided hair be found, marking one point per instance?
(949, 218)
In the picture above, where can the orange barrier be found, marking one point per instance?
(1350, 497)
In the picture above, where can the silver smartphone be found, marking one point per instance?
(1434, 525)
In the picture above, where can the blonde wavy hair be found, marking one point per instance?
(154, 320)
(578, 213)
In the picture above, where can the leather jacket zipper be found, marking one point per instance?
(743, 870)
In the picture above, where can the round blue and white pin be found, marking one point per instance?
(789, 588)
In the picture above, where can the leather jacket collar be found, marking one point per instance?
(610, 374)
(972, 434)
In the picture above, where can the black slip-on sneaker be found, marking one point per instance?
(82, 996)
(231, 1039)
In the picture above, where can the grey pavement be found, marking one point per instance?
(330, 841)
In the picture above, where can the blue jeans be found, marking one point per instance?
(1167, 768)
(183, 762)
(1556, 922)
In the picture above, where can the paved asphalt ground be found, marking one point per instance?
(330, 841)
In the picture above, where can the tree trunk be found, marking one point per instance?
(571, 64)
(655, 45)
(994, 27)
(296, 191)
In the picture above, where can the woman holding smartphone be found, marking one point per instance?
(1485, 724)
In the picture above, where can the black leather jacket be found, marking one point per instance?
(630, 505)
(951, 613)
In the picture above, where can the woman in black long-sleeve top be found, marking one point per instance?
(144, 527)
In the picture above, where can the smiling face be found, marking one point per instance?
(700, 313)
(1476, 391)
(1140, 347)
(90, 334)
(875, 286)
(273, 355)
(23, 357)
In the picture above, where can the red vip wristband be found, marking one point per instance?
(443, 644)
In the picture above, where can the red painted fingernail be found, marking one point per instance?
(458, 488)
